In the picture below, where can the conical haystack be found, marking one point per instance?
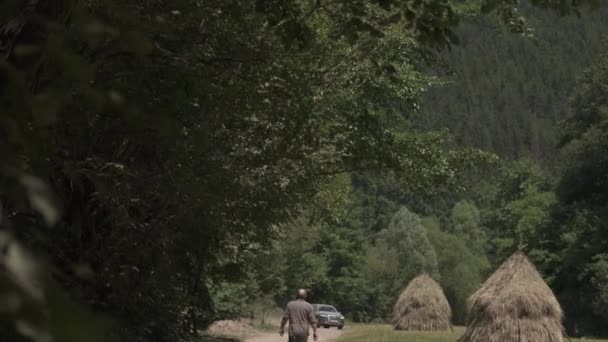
(514, 305)
(422, 306)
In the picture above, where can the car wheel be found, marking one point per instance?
(326, 326)
(340, 327)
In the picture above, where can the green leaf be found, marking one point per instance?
(41, 198)
(21, 267)
(45, 108)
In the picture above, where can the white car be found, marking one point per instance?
(328, 316)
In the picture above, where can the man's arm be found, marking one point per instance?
(282, 329)
(283, 322)
(313, 322)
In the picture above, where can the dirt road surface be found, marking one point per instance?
(325, 335)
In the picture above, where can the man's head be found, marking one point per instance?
(301, 294)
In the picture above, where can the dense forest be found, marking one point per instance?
(164, 164)
(507, 93)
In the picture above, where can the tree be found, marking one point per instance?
(581, 218)
(462, 268)
(520, 213)
(399, 254)
(466, 223)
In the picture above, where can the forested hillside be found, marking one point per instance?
(507, 93)
(164, 164)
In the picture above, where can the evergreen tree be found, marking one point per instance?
(582, 276)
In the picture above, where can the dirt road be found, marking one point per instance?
(325, 335)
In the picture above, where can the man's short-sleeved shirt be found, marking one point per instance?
(301, 315)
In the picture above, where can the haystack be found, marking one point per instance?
(422, 306)
(514, 305)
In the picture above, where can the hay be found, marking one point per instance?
(422, 306)
(514, 305)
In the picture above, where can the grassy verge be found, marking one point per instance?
(385, 333)
(266, 327)
(209, 338)
(269, 321)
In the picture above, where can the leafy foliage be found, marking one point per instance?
(462, 269)
(155, 153)
(582, 213)
(400, 252)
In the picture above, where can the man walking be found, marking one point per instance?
(301, 316)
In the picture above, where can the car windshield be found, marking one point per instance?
(327, 308)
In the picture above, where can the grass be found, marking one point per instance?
(385, 333)
(265, 327)
(207, 338)
(270, 322)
